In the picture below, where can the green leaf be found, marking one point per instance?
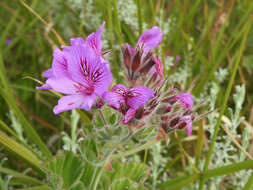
(6, 93)
(249, 184)
(41, 187)
(136, 172)
(20, 177)
(20, 151)
(180, 182)
(125, 183)
(64, 171)
(229, 169)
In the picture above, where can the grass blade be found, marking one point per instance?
(20, 151)
(180, 182)
(20, 177)
(228, 90)
(6, 93)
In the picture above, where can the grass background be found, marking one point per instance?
(219, 32)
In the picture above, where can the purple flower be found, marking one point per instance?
(150, 39)
(139, 61)
(8, 41)
(129, 115)
(93, 40)
(59, 60)
(80, 74)
(185, 99)
(158, 68)
(133, 98)
(186, 122)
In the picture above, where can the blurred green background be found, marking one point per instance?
(206, 34)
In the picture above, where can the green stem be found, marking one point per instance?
(249, 184)
(99, 171)
(98, 177)
(199, 144)
(134, 150)
(216, 130)
(118, 25)
(139, 16)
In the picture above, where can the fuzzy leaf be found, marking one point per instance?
(133, 171)
(64, 171)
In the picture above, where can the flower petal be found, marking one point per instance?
(101, 76)
(44, 87)
(69, 103)
(88, 102)
(151, 38)
(76, 41)
(48, 73)
(80, 60)
(94, 40)
(116, 96)
(63, 85)
(158, 66)
(188, 121)
(185, 99)
(129, 115)
(59, 65)
(131, 49)
(138, 96)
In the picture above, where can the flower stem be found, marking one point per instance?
(135, 150)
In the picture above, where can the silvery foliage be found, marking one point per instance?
(15, 124)
(71, 143)
(158, 163)
(221, 74)
(225, 152)
(128, 13)
(18, 129)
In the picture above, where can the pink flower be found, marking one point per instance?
(132, 98)
(139, 60)
(150, 38)
(185, 99)
(158, 68)
(186, 122)
(93, 40)
(80, 74)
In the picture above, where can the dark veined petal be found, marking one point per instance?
(76, 41)
(151, 38)
(59, 65)
(88, 69)
(116, 96)
(94, 40)
(80, 60)
(129, 115)
(74, 101)
(100, 76)
(138, 96)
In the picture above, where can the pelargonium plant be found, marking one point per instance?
(81, 72)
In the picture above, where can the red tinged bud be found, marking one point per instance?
(126, 55)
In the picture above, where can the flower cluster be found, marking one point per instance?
(82, 73)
